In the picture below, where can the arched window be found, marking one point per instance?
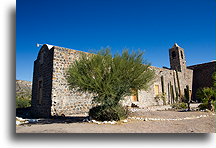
(173, 54)
(41, 58)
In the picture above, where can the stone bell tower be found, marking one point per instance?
(177, 58)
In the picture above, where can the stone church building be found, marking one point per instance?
(51, 95)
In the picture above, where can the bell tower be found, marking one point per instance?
(177, 58)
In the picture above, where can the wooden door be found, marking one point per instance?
(134, 97)
(156, 90)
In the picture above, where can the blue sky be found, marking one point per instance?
(150, 25)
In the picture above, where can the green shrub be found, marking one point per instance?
(110, 79)
(179, 105)
(207, 95)
(23, 102)
(214, 105)
(107, 113)
(204, 105)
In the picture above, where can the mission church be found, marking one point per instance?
(51, 95)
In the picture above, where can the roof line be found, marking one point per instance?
(202, 63)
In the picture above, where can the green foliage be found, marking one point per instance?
(205, 105)
(161, 97)
(186, 94)
(179, 106)
(208, 95)
(23, 99)
(105, 113)
(110, 78)
(205, 94)
(23, 102)
(187, 97)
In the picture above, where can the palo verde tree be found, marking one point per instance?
(110, 79)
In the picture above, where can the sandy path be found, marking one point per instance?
(201, 125)
(168, 114)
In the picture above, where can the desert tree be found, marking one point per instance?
(110, 78)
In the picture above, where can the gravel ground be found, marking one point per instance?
(167, 114)
(201, 125)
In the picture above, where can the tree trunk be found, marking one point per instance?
(209, 105)
(188, 106)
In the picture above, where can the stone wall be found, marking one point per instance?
(148, 97)
(177, 58)
(43, 69)
(202, 76)
(66, 102)
(51, 68)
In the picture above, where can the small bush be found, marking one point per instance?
(22, 102)
(107, 113)
(179, 105)
(214, 105)
(205, 105)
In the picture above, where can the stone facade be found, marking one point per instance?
(168, 89)
(64, 100)
(169, 83)
(55, 98)
(202, 76)
(42, 83)
(51, 95)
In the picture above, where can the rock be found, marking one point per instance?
(33, 120)
(18, 123)
(93, 121)
(20, 119)
(26, 122)
(85, 120)
(125, 121)
(113, 122)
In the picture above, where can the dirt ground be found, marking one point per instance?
(195, 125)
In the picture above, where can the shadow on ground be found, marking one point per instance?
(25, 113)
(66, 120)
